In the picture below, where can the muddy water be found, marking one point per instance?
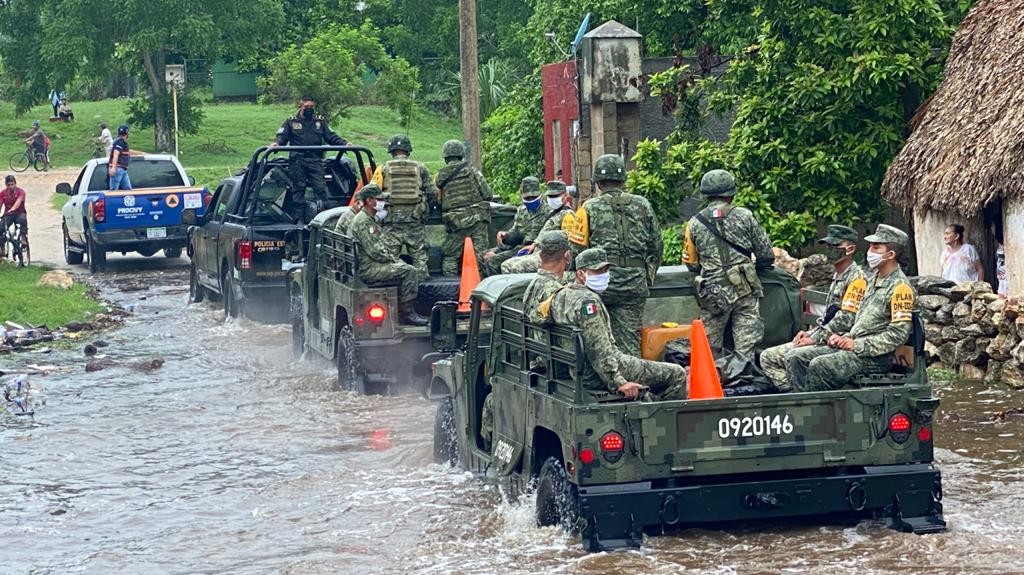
(231, 458)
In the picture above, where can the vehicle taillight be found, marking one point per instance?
(612, 445)
(586, 456)
(899, 427)
(924, 435)
(245, 255)
(99, 210)
(376, 313)
(206, 200)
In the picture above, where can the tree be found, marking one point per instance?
(821, 92)
(57, 38)
(331, 67)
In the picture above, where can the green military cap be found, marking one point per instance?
(886, 234)
(530, 186)
(556, 187)
(592, 259)
(837, 234)
(370, 190)
(552, 241)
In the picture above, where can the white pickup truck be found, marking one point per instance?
(145, 219)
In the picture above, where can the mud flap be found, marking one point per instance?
(605, 527)
(916, 512)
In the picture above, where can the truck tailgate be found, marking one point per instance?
(268, 249)
(150, 208)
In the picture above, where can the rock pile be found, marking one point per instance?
(814, 270)
(972, 330)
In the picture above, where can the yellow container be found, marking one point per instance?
(653, 339)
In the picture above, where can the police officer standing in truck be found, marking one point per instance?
(306, 128)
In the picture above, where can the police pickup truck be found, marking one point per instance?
(145, 219)
(236, 249)
(611, 470)
(338, 317)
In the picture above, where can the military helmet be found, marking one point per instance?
(718, 183)
(610, 167)
(400, 142)
(452, 149)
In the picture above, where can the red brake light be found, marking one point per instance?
(376, 313)
(99, 209)
(206, 200)
(924, 435)
(612, 442)
(245, 255)
(899, 427)
(586, 456)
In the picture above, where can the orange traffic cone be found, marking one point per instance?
(704, 382)
(470, 276)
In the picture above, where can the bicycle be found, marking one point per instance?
(20, 162)
(19, 248)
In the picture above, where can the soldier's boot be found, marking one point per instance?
(407, 315)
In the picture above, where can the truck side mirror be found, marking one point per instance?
(65, 188)
(442, 326)
(191, 181)
(188, 217)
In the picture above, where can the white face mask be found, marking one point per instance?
(555, 202)
(382, 211)
(874, 260)
(598, 282)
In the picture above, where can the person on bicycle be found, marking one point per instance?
(12, 203)
(37, 141)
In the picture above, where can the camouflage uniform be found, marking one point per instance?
(408, 184)
(625, 226)
(525, 228)
(844, 294)
(883, 323)
(465, 207)
(728, 289)
(531, 262)
(546, 283)
(607, 368)
(378, 265)
(344, 221)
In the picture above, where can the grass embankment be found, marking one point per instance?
(229, 134)
(25, 303)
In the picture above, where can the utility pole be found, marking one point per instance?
(470, 79)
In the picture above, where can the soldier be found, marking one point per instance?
(561, 203)
(345, 220)
(553, 254)
(844, 297)
(883, 323)
(625, 226)
(719, 242)
(408, 185)
(465, 206)
(579, 305)
(306, 128)
(530, 218)
(379, 266)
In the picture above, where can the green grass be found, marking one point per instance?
(24, 303)
(229, 134)
(58, 201)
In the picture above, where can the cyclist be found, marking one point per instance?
(12, 203)
(37, 141)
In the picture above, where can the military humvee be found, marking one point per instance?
(335, 315)
(612, 469)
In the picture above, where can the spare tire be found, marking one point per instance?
(438, 289)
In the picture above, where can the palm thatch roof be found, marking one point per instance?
(967, 147)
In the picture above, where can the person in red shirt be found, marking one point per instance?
(12, 202)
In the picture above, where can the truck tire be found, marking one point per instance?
(434, 290)
(97, 256)
(558, 499)
(172, 253)
(298, 325)
(196, 291)
(446, 443)
(70, 256)
(350, 373)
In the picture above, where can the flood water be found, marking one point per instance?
(233, 458)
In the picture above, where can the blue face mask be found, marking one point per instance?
(532, 205)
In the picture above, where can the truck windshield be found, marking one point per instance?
(142, 173)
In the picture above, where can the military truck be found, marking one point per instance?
(611, 470)
(338, 317)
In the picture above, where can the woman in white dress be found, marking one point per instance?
(960, 261)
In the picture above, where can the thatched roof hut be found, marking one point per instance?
(967, 147)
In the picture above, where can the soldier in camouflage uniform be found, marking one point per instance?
(409, 186)
(624, 225)
(529, 219)
(378, 265)
(883, 323)
(345, 220)
(465, 207)
(561, 203)
(719, 242)
(579, 305)
(844, 297)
